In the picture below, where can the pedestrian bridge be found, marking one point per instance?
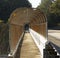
(27, 33)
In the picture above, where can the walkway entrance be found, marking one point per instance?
(26, 27)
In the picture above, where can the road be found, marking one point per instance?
(54, 37)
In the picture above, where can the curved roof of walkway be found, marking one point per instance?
(21, 16)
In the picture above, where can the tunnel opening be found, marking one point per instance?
(26, 27)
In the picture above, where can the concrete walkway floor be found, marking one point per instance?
(28, 48)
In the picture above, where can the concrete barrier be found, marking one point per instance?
(39, 40)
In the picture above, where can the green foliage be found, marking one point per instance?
(52, 11)
(55, 8)
(55, 12)
(8, 6)
(44, 6)
(1, 21)
(4, 39)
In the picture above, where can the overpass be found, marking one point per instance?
(28, 34)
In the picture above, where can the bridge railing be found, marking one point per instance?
(15, 53)
(49, 51)
(39, 40)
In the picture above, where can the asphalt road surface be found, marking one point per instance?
(54, 39)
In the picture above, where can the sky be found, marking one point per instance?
(35, 3)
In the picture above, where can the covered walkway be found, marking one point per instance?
(29, 48)
(33, 20)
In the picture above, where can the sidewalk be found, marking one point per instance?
(54, 33)
(29, 48)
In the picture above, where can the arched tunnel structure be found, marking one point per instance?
(33, 18)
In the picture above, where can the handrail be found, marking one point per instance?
(39, 38)
(41, 43)
(54, 48)
(13, 54)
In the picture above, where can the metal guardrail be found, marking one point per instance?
(54, 48)
(49, 52)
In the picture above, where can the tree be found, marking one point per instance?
(55, 12)
(7, 6)
(52, 11)
(55, 7)
(44, 6)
